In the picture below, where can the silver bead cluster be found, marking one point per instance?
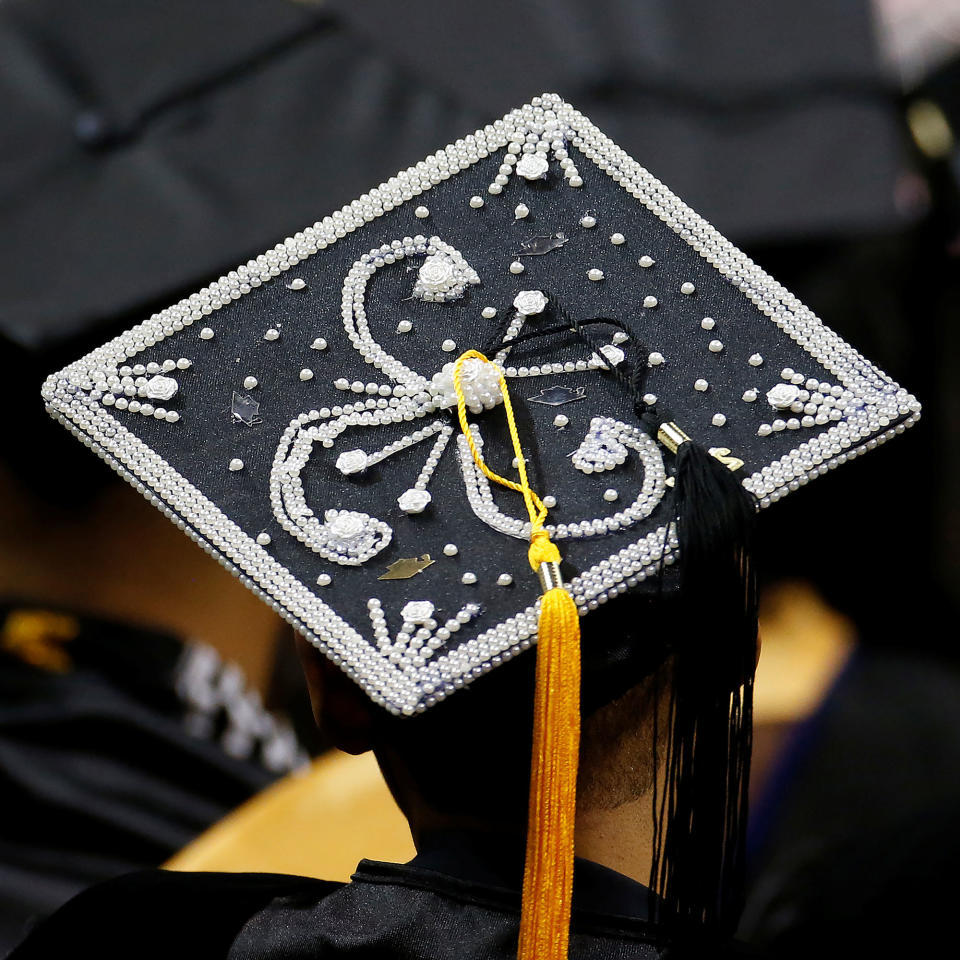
(444, 275)
(287, 496)
(417, 498)
(133, 387)
(356, 461)
(531, 143)
(815, 403)
(480, 495)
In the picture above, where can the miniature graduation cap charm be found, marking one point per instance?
(557, 396)
(421, 442)
(407, 567)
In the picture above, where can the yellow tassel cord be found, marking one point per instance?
(548, 873)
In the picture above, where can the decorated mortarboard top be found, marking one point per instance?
(297, 417)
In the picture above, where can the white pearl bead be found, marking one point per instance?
(708, 323)
(560, 420)
(271, 334)
(450, 550)
(468, 578)
(521, 211)
(655, 359)
(516, 267)
(184, 364)
(750, 395)
(319, 344)
(488, 313)
(610, 495)
(687, 288)
(716, 346)
(448, 346)
(421, 212)
(646, 261)
(476, 202)
(620, 337)
(206, 334)
(504, 580)
(306, 374)
(755, 360)
(549, 502)
(617, 238)
(588, 221)
(649, 399)
(296, 284)
(324, 580)
(404, 326)
(764, 430)
(718, 420)
(595, 274)
(263, 539)
(249, 383)
(650, 302)
(700, 385)
(236, 464)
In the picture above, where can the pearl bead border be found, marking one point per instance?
(71, 397)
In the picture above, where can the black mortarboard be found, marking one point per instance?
(299, 419)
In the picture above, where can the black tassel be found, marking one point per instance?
(701, 815)
(700, 810)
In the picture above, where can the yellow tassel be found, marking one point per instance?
(548, 872)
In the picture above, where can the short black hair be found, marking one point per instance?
(470, 755)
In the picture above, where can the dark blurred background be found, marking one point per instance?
(145, 148)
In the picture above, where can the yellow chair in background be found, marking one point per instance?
(316, 823)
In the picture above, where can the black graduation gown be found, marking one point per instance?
(456, 901)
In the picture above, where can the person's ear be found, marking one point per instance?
(341, 709)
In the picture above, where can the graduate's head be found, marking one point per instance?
(517, 388)
(467, 760)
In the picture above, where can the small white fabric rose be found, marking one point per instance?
(532, 166)
(436, 274)
(352, 461)
(782, 395)
(346, 525)
(161, 388)
(611, 354)
(417, 611)
(530, 302)
(414, 501)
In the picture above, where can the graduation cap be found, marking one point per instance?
(524, 351)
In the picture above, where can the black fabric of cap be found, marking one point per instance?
(205, 440)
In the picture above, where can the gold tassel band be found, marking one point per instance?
(549, 574)
(671, 436)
